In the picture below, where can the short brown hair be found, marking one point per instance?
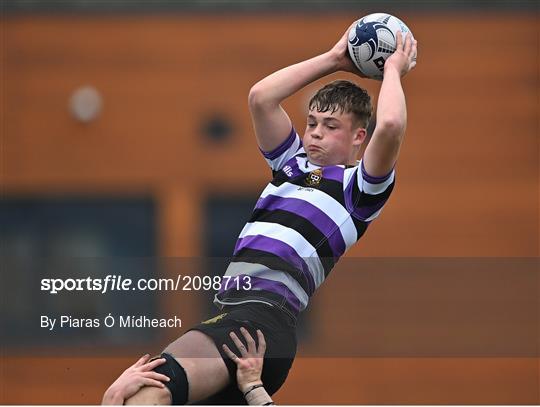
(346, 97)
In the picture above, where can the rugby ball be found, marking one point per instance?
(372, 39)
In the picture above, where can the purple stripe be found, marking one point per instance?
(365, 212)
(334, 173)
(295, 169)
(280, 249)
(374, 180)
(284, 146)
(348, 192)
(258, 283)
(359, 212)
(304, 209)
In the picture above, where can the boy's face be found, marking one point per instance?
(331, 138)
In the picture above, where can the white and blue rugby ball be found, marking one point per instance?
(372, 40)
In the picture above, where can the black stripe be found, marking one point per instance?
(360, 225)
(328, 186)
(280, 177)
(303, 226)
(364, 199)
(271, 261)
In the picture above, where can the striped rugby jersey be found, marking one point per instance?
(304, 221)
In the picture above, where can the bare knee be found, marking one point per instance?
(153, 396)
(205, 370)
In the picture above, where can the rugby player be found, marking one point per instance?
(319, 202)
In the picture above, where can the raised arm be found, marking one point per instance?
(271, 122)
(383, 149)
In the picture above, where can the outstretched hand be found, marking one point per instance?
(404, 57)
(133, 378)
(250, 364)
(340, 53)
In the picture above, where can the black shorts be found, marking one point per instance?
(279, 332)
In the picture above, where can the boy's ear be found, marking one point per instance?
(359, 136)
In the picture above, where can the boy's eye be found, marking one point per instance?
(311, 124)
(331, 127)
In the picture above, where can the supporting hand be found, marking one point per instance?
(404, 57)
(133, 378)
(250, 364)
(340, 53)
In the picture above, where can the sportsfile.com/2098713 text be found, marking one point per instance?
(118, 283)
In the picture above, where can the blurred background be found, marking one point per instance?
(127, 148)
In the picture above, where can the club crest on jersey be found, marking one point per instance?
(314, 178)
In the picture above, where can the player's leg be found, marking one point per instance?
(150, 396)
(201, 371)
(204, 365)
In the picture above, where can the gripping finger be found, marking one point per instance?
(153, 364)
(262, 343)
(230, 354)
(156, 376)
(399, 40)
(408, 44)
(414, 50)
(142, 360)
(238, 344)
(251, 348)
(151, 382)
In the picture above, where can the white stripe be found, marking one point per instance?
(278, 162)
(347, 176)
(243, 230)
(258, 270)
(304, 164)
(292, 238)
(269, 190)
(321, 200)
(237, 302)
(373, 189)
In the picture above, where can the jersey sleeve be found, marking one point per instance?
(277, 158)
(365, 195)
